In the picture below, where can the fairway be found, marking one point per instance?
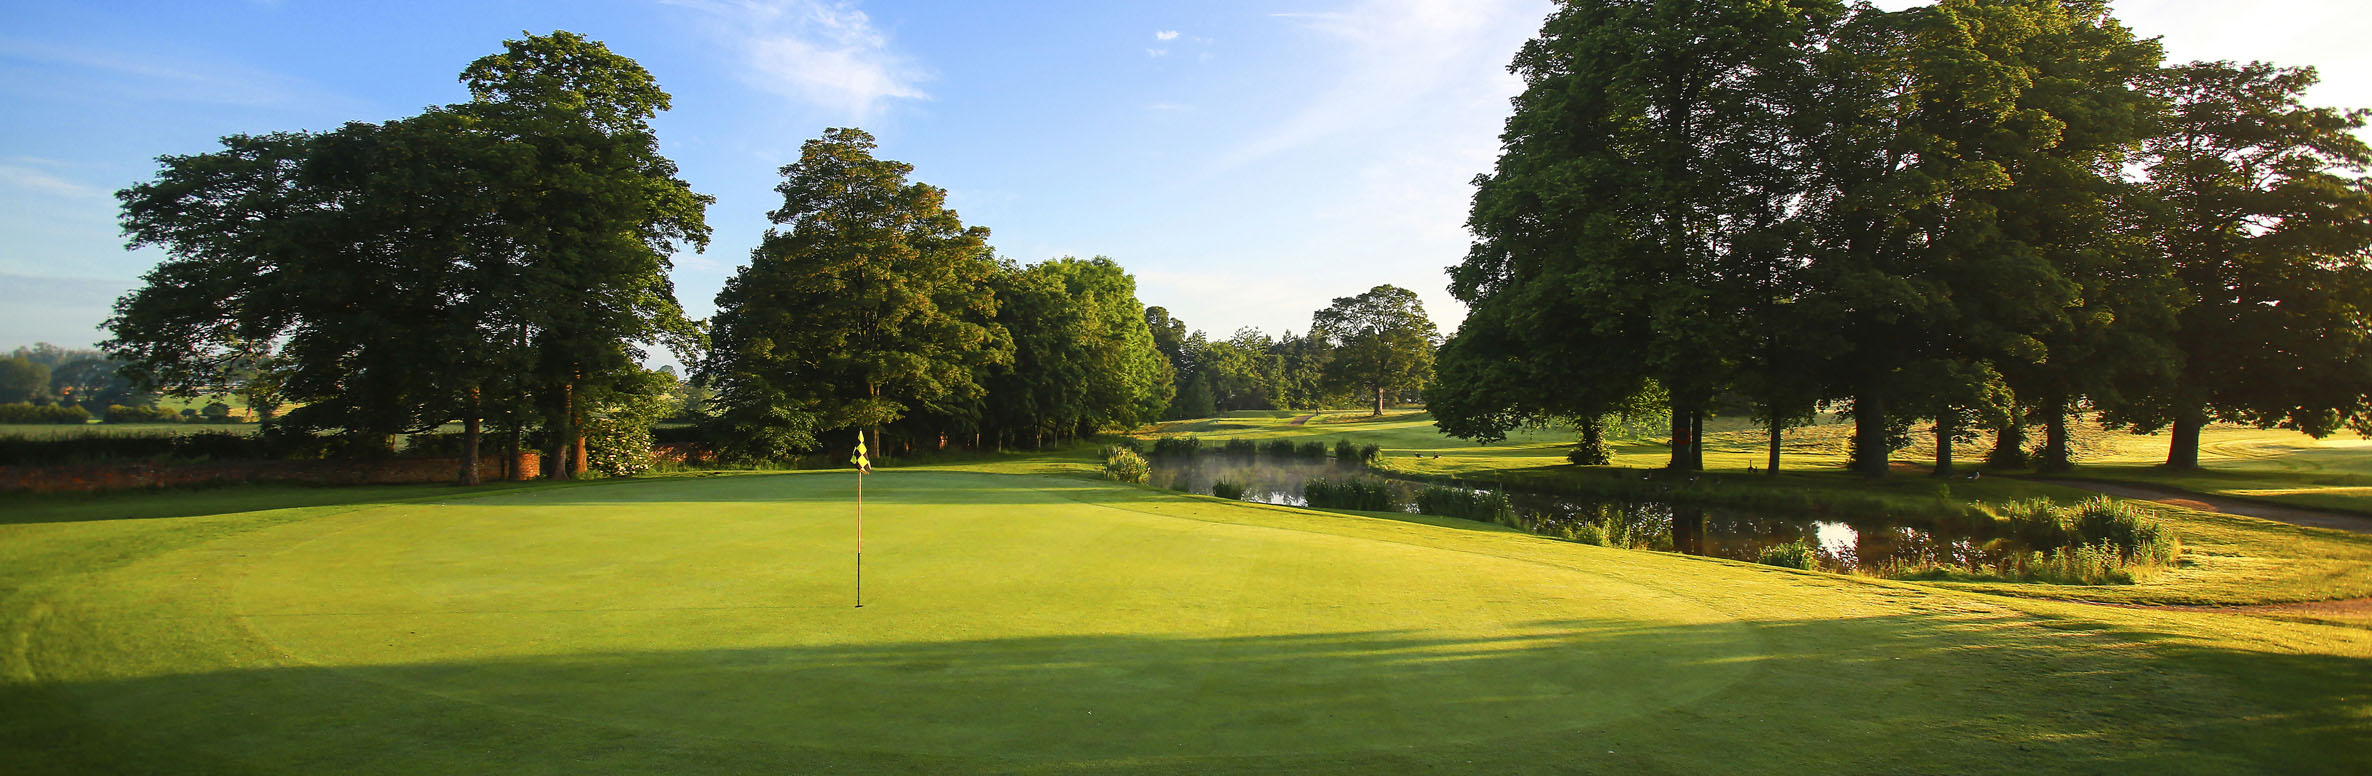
(1036, 623)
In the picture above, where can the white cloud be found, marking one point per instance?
(14, 176)
(825, 54)
(1166, 35)
(1157, 53)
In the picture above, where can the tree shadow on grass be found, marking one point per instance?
(1930, 693)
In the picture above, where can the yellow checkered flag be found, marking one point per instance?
(863, 465)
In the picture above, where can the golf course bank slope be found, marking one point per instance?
(1054, 624)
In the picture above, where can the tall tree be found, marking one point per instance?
(1083, 358)
(1382, 342)
(596, 211)
(401, 269)
(1644, 155)
(2267, 223)
(874, 304)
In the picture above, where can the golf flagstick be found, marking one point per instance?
(863, 466)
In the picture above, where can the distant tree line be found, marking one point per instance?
(1376, 347)
(1981, 213)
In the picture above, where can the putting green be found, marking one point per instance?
(1000, 617)
(1058, 624)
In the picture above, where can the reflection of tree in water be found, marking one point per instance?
(1736, 534)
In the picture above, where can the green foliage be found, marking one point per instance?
(1360, 493)
(1368, 453)
(1227, 490)
(1178, 446)
(1084, 359)
(1125, 465)
(43, 413)
(507, 255)
(22, 380)
(1798, 554)
(873, 305)
(125, 448)
(1448, 501)
(2257, 194)
(1280, 448)
(1243, 448)
(1380, 342)
(117, 413)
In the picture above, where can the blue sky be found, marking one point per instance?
(1247, 160)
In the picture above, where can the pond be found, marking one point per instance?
(1737, 534)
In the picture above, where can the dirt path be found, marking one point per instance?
(1301, 420)
(2317, 518)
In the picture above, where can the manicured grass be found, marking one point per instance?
(1023, 617)
(2232, 560)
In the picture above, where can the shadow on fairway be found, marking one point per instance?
(1911, 693)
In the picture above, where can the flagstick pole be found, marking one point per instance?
(860, 538)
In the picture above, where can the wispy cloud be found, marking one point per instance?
(1166, 35)
(1157, 53)
(25, 178)
(1394, 55)
(144, 76)
(825, 54)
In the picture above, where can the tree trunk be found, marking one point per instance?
(2056, 457)
(1379, 401)
(1947, 426)
(1869, 430)
(1696, 438)
(2184, 452)
(511, 469)
(1680, 441)
(562, 454)
(471, 428)
(1776, 429)
(879, 452)
(2009, 443)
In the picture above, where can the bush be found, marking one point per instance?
(1130, 444)
(1227, 490)
(1360, 493)
(1798, 554)
(1445, 501)
(117, 413)
(1584, 454)
(1344, 451)
(1176, 446)
(1280, 448)
(1368, 453)
(1242, 447)
(1310, 450)
(112, 448)
(1125, 465)
(43, 413)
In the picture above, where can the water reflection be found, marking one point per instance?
(1709, 531)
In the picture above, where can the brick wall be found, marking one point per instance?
(118, 476)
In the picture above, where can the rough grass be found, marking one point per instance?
(1053, 622)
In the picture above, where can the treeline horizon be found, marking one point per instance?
(503, 263)
(1980, 213)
